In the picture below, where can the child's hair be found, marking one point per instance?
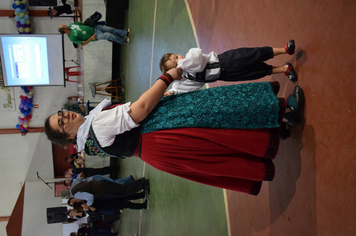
(162, 63)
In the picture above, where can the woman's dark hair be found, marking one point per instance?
(78, 206)
(68, 202)
(70, 220)
(57, 137)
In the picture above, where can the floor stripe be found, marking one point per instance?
(227, 214)
(153, 41)
(150, 85)
(192, 23)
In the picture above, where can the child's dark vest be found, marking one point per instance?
(123, 145)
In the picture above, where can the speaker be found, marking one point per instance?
(56, 215)
(47, 3)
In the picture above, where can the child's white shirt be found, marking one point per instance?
(195, 61)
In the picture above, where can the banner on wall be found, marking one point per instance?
(7, 99)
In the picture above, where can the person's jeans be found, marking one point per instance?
(110, 33)
(125, 180)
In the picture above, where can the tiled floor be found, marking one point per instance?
(313, 191)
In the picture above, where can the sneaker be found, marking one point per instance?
(128, 34)
(127, 40)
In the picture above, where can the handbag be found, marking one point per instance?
(93, 19)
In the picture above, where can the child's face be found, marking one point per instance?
(173, 61)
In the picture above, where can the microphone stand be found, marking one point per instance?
(47, 183)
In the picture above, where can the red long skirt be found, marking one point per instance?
(234, 159)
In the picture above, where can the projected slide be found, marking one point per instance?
(27, 60)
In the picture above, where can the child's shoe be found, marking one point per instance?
(290, 47)
(290, 72)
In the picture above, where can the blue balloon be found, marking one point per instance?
(26, 90)
(23, 130)
(17, 126)
(22, 6)
(17, 18)
(30, 106)
(28, 110)
(24, 10)
(23, 21)
(26, 17)
(18, 10)
(25, 113)
(14, 6)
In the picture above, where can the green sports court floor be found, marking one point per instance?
(176, 206)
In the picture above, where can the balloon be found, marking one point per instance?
(22, 96)
(18, 10)
(14, 6)
(17, 18)
(21, 122)
(27, 17)
(30, 105)
(24, 1)
(21, 105)
(27, 128)
(18, 126)
(23, 21)
(21, 126)
(22, 15)
(22, 6)
(23, 130)
(17, 3)
(27, 30)
(29, 117)
(23, 101)
(29, 111)
(26, 90)
(25, 113)
(21, 29)
(29, 87)
(24, 10)
(31, 92)
(25, 125)
(28, 22)
(28, 100)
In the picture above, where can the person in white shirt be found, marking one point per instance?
(233, 65)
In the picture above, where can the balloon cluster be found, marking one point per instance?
(25, 108)
(23, 19)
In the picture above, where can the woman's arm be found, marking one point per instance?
(149, 99)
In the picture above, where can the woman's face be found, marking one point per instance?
(68, 123)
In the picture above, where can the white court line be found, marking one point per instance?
(150, 85)
(153, 40)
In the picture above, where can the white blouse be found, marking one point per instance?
(194, 62)
(110, 123)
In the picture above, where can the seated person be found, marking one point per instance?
(59, 10)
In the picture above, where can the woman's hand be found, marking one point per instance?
(176, 73)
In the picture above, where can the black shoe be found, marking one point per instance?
(146, 187)
(290, 72)
(146, 203)
(132, 178)
(297, 112)
(285, 133)
(290, 47)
